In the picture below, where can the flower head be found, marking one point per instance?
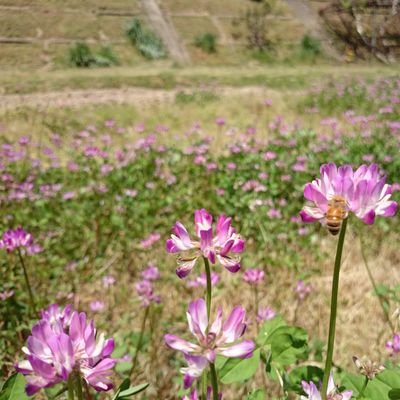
(265, 314)
(394, 345)
(332, 392)
(367, 367)
(16, 238)
(145, 291)
(65, 342)
(253, 276)
(363, 192)
(151, 273)
(302, 290)
(216, 338)
(223, 247)
(201, 280)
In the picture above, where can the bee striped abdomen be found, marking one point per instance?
(335, 215)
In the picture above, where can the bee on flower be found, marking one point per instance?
(341, 191)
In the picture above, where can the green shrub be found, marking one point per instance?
(310, 47)
(81, 56)
(207, 42)
(146, 41)
(198, 97)
(106, 57)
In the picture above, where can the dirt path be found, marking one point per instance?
(166, 31)
(137, 96)
(303, 11)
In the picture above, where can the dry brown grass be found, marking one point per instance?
(361, 327)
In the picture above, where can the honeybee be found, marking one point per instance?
(337, 212)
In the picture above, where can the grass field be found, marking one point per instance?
(94, 182)
(166, 76)
(98, 165)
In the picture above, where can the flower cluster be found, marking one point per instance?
(394, 345)
(332, 393)
(253, 276)
(18, 238)
(216, 338)
(201, 280)
(62, 343)
(144, 287)
(265, 314)
(302, 290)
(363, 192)
(224, 246)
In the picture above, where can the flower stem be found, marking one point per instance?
(332, 320)
(361, 394)
(31, 299)
(256, 302)
(204, 386)
(78, 386)
(209, 288)
(214, 382)
(139, 343)
(71, 387)
(371, 278)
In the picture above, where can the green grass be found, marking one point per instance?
(191, 27)
(221, 7)
(163, 75)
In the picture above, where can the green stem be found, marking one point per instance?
(361, 394)
(204, 386)
(31, 299)
(139, 343)
(256, 302)
(71, 387)
(209, 287)
(332, 320)
(214, 382)
(78, 386)
(371, 278)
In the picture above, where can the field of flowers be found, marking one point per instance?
(208, 262)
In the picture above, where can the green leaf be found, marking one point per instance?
(269, 328)
(257, 394)
(14, 388)
(239, 370)
(378, 388)
(288, 344)
(132, 391)
(306, 373)
(123, 386)
(394, 394)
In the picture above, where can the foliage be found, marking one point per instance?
(257, 27)
(81, 56)
(310, 48)
(14, 388)
(207, 42)
(146, 41)
(199, 97)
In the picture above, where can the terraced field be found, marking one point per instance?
(38, 33)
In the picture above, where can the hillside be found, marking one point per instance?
(38, 33)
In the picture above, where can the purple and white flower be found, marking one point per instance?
(332, 392)
(253, 276)
(212, 339)
(224, 247)
(364, 192)
(65, 342)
